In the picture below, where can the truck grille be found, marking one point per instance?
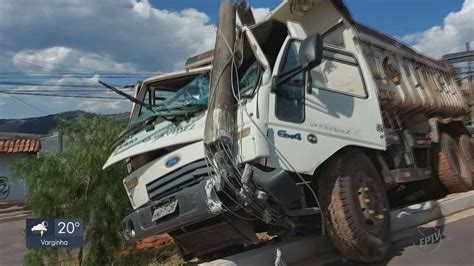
(183, 177)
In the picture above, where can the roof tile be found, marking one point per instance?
(19, 145)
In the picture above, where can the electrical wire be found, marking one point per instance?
(67, 85)
(68, 74)
(63, 95)
(210, 160)
(27, 104)
(53, 90)
(244, 107)
(229, 152)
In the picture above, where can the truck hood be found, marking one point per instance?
(164, 134)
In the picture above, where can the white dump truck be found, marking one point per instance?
(331, 123)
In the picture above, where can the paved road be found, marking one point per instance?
(12, 247)
(455, 247)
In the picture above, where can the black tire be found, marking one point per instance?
(453, 169)
(432, 187)
(466, 147)
(185, 255)
(357, 234)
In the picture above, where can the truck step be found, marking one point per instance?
(303, 212)
(421, 143)
(418, 141)
(404, 175)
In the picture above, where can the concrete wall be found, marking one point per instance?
(51, 144)
(11, 190)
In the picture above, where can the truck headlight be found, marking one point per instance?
(128, 230)
(131, 183)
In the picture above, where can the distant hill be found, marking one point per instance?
(45, 124)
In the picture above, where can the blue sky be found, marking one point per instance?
(395, 17)
(68, 44)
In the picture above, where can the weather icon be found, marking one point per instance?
(42, 227)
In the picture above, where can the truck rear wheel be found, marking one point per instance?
(453, 169)
(355, 207)
(466, 147)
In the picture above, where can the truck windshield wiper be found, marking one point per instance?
(186, 106)
(131, 98)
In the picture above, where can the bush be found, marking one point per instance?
(72, 184)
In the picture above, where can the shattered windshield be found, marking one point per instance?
(195, 93)
(192, 95)
(188, 99)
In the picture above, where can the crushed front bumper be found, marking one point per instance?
(195, 204)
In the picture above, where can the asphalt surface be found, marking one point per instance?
(12, 243)
(448, 244)
(456, 245)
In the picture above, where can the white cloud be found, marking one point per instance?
(92, 36)
(457, 29)
(60, 58)
(123, 31)
(19, 106)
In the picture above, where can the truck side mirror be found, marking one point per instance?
(310, 55)
(311, 52)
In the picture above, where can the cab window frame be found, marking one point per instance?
(281, 65)
(250, 93)
(355, 63)
(330, 49)
(148, 91)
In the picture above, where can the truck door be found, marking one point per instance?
(307, 127)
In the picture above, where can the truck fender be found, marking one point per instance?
(454, 127)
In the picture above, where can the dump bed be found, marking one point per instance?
(407, 81)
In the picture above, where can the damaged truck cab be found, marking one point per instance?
(333, 120)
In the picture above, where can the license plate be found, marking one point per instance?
(164, 210)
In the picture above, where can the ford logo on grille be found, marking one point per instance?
(172, 161)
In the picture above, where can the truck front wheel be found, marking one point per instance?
(355, 207)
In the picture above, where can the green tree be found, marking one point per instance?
(72, 184)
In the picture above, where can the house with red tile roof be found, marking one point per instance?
(15, 147)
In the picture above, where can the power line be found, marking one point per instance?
(80, 73)
(58, 76)
(63, 95)
(27, 104)
(64, 85)
(60, 90)
(77, 69)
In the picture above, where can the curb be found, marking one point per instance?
(428, 211)
(8, 204)
(292, 251)
(14, 218)
(12, 209)
(299, 249)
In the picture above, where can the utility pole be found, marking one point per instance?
(460, 58)
(220, 119)
(245, 13)
(471, 93)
